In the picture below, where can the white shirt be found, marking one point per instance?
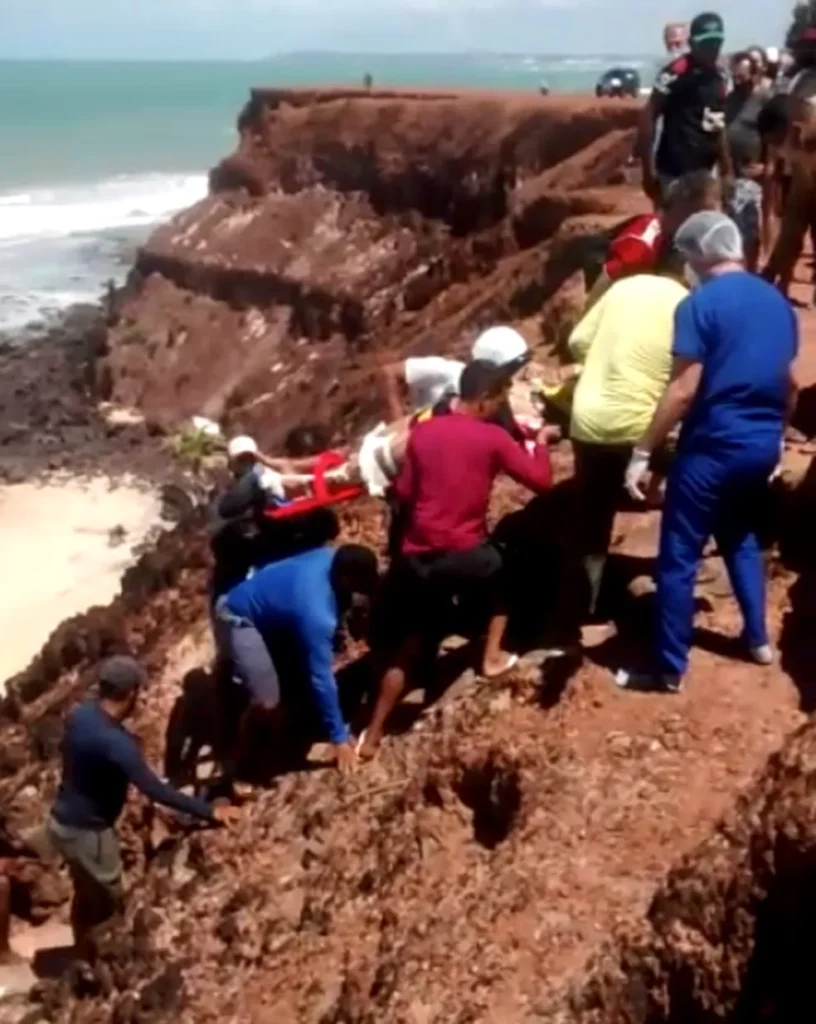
(431, 378)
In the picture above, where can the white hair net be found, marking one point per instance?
(709, 237)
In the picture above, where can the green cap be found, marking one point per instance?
(707, 28)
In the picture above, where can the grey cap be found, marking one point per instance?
(121, 675)
(710, 237)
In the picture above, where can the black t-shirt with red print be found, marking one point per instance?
(692, 103)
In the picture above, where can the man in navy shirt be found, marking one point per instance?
(294, 604)
(732, 385)
(100, 760)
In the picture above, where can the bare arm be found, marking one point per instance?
(725, 160)
(392, 378)
(646, 141)
(531, 471)
(793, 396)
(675, 403)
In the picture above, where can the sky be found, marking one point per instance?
(252, 29)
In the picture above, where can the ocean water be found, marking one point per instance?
(95, 154)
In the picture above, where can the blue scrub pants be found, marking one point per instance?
(719, 496)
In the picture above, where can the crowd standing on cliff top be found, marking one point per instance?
(679, 390)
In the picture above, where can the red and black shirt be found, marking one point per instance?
(692, 103)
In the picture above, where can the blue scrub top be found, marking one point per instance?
(746, 335)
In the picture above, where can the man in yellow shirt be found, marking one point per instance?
(624, 345)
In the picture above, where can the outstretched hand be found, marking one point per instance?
(226, 815)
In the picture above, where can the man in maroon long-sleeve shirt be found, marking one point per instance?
(445, 485)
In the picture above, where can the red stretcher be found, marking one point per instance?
(322, 497)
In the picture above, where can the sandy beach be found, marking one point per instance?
(66, 543)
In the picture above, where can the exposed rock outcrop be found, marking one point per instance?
(352, 224)
(518, 830)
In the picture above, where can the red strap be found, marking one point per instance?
(322, 495)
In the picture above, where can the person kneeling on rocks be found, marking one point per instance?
(294, 606)
(445, 486)
(100, 760)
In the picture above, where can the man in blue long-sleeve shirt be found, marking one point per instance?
(100, 760)
(297, 601)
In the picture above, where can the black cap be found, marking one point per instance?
(707, 28)
(120, 675)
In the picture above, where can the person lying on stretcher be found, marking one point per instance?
(372, 465)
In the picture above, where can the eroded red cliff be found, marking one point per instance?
(470, 872)
(352, 224)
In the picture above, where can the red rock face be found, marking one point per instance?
(549, 851)
(348, 225)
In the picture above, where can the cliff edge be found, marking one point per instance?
(351, 224)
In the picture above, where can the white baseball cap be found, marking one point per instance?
(501, 346)
(242, 445)
(772, 54)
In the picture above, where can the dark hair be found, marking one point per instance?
(481, 379)
(355, 569)
(692, 187)
(772, 120)
(671, 263)
(741, 55)
(119, 677)
(309, 439)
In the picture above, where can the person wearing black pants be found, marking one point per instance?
(444, 489)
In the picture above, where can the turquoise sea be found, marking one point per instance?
(94, 154)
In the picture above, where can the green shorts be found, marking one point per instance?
(95, 865)
(95, 853)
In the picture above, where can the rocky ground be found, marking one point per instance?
(548, 850)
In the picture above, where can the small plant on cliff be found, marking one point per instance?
(194, 448)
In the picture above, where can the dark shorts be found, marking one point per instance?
(431, 587)
(599, 473)
(248, 655)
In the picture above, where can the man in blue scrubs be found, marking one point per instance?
(732, 385)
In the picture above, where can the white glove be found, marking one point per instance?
(778, 468)
(635, 472)
(271, 483)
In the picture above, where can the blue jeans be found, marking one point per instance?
(246, 650)
(709, 496)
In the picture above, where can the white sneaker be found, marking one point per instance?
(648, 682)
(763, 655)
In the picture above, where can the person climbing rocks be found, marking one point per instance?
(423, 381)
(445, 485)
(683, 127)
(294, 607)
(625, 363)
(743, 201)
(100, 761)
(732, 387)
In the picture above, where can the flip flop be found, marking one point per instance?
(511, 664)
